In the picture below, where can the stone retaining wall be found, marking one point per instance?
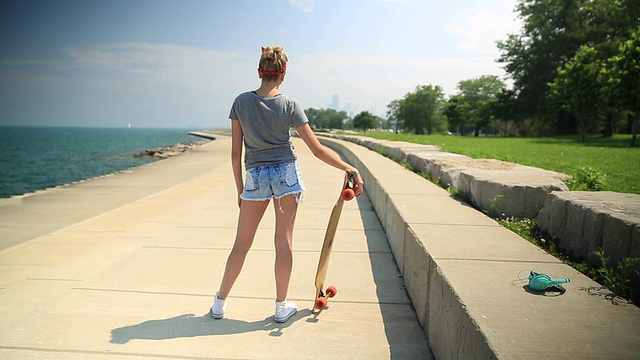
(578, 222)
(461, 269)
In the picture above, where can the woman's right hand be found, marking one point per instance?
(358, 188)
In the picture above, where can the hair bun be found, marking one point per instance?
(273, 59)
(273, 52)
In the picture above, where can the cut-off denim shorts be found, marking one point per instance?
(273, 182)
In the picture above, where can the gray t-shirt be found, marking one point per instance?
(265, 123)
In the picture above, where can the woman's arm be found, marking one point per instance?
(328, 156)
(236, 156)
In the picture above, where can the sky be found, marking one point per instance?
(180, 63)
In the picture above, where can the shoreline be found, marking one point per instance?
(61, 186)
(74, 202)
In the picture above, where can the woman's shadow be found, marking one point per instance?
(190, 325)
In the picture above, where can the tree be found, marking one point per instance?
(505, 107)
(455, 110)
(610, 22)
(387, 124)
(552, 31)
(418, 111)
(475, 97)
(364, 120)
(326, 118)
(393, 111)
(578, 86)
(313, 116)
(625, 77)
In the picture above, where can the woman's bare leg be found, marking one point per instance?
(251, 213)
(286, 209)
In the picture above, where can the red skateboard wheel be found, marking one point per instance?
(331, 291)
(348, 194)
(321, 303)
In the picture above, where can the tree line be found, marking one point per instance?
(575, 69)
(321, 119)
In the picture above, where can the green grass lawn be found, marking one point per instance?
(611, 158)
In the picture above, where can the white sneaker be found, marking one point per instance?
(285, 310)
(218, 308)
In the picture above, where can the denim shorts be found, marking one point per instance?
(273, 182)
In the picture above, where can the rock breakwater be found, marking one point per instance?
(169, 151)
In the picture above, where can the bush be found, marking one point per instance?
(587, 179)
(619, 279)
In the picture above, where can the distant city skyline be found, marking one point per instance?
(352, 111)
(336, 102)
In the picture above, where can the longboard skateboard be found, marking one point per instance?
(347, 192)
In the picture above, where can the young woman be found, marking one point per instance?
(261, 119)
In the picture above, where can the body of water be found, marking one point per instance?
(35, 158)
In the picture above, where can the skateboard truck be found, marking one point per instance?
(349, 191)
(321, 301)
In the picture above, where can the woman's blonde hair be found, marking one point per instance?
(273, 61)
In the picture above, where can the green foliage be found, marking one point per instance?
(406, 165)
(626, 71)
(505, 109)
(326, 118)
(567, 62)
(526, 228)
(551, 32)
(625, 77)
(393, 113)
(419, 111)
(587, 179)
(493, 208)
(457, 194)
(473, 107)
(365, 120)
(455, 110)
(619, 279)
(578, 85)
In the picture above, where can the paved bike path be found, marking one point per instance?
(125, 266)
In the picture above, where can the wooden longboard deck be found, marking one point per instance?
(327, 245)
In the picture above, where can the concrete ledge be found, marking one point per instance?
(504, 189)
(461, 268)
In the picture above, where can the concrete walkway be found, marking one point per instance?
(125, 267)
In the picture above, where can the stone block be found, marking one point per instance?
(580, 222)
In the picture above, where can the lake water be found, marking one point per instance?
(35, 158)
